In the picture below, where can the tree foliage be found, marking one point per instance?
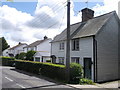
(29, 55)
(3, 43)
(21, 56)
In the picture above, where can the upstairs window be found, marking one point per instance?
(75, 45)
(61, 47)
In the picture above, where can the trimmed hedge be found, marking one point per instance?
(7, 61)
(47, 69)
(54, 71)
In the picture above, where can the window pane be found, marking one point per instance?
(61, 46)
(75, 44)
(75, 59)
(37, 59)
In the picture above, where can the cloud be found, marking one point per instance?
(111, 5)
(50, 19)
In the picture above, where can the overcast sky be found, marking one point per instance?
(30, 21)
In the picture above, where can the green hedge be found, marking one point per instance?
(54, 71)
(47, 69)
(6, 61)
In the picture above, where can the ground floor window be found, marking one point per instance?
(61, 60)
(75, 59)
(37, 59)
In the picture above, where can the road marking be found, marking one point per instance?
(20, 85)
(9, 79)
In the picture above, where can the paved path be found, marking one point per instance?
(104, 86)
(12, 78)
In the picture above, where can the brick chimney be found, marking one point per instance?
(87, 14)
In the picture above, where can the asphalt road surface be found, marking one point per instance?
(17, 79)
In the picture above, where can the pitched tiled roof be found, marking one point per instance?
(36, 43)
(17, 46)
(83, 29)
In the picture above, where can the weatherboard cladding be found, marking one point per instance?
(88, 28)
(35, 43)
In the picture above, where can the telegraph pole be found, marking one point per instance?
(68, 43)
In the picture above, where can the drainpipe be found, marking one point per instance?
(95, 58)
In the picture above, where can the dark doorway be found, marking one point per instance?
(87, 68)
(53, 59)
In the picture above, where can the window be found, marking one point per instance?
(75, 59)
(61, 46)
(37, 59)
(75, 45)
(61, 60)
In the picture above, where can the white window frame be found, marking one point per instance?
(75, 45)
(37, 57)
(61, 46)
(74, 60)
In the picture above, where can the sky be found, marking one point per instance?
(28, 21)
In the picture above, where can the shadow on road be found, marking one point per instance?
(55, 84)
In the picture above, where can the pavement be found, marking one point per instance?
(13, 78)
(104, 86)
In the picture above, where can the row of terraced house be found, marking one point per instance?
(94, 43)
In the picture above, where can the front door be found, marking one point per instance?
(87, 68)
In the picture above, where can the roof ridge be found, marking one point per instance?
(105, 14)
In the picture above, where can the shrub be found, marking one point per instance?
(86, 81)
(5, 61)
(46, 69)
(29, 55)
(48, 60)
(76, 72)
(17, 55)
(22, 56)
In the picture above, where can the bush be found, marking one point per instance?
(46, 69)
(17, 55)
(48, 60)
(86, 81)
(5, 61)
(22, 56)
(29, 55)
(76, 73)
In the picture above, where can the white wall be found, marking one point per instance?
(45, 46)
(85, 46)
(18, 50)
(5, 53)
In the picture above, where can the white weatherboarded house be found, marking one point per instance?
(93, 44)
(13, 51)
(42, 47)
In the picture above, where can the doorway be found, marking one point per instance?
(87, 68)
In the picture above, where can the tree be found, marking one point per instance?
(22, 56)
(4, 44)
(17, 55)
(29, 55)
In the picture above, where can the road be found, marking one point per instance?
(12, 78)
